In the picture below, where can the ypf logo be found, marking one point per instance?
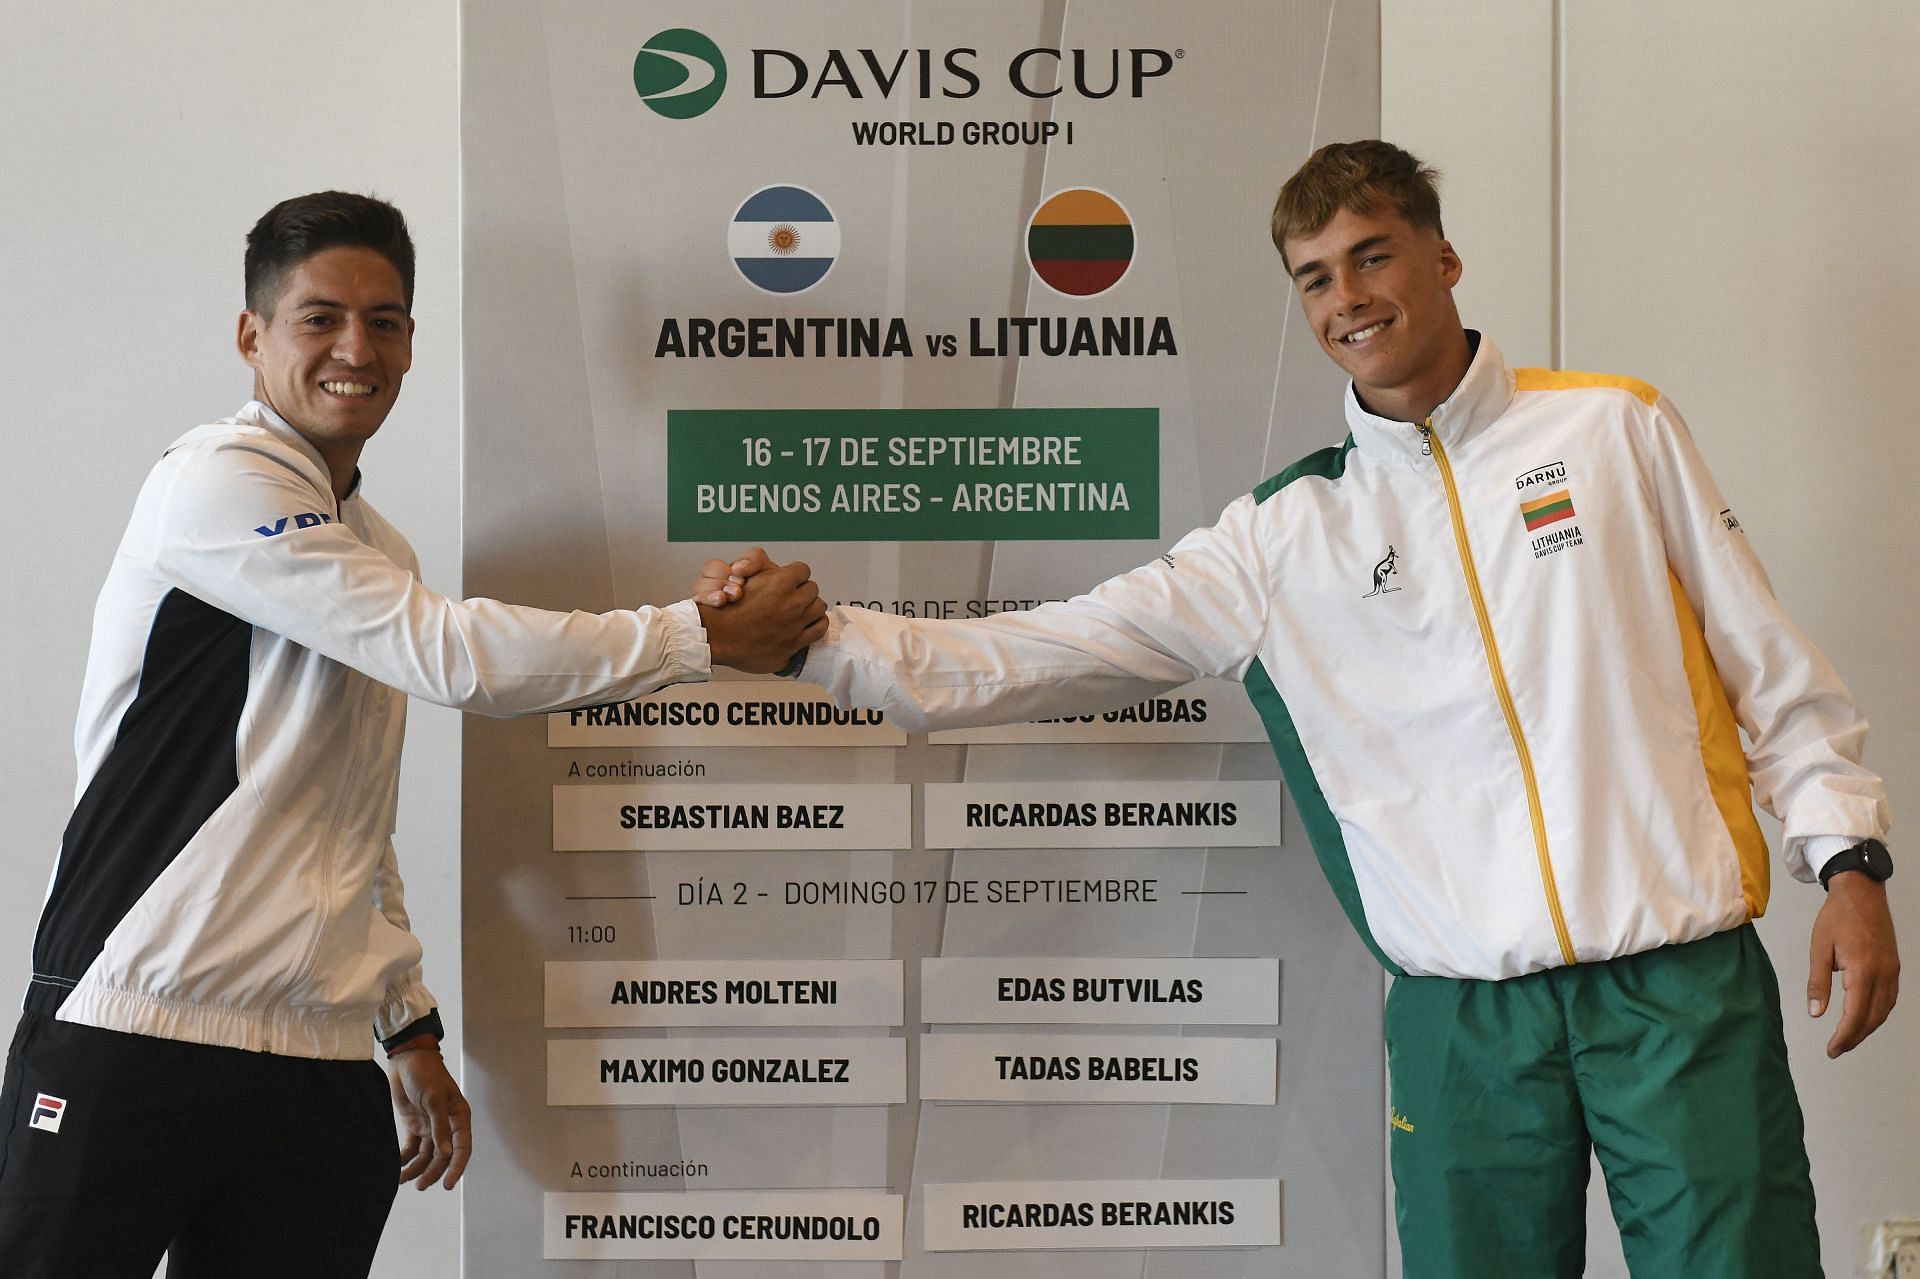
(47, 1113)
(679, 74)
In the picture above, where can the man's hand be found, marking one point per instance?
(1854, 933)
(773, 613)
(721, 581)
(432, 1116)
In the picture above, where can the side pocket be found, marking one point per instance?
(379, 1101)
(11, 1089)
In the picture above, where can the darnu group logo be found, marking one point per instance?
(680, 74)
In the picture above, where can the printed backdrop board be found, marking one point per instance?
(969, 306)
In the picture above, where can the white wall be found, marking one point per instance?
(140, 143)
(1717, 197)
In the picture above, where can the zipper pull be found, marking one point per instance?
(1426, 438)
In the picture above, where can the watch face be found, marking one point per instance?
(1869, 857)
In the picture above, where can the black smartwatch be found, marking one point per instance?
(1869, 857)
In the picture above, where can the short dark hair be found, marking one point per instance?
(294, 230)
(1360, 177)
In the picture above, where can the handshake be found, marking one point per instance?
(758, 615)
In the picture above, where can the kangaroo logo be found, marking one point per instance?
(1381, 572)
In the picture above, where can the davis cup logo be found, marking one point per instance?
(1080, 242)
(47, 1113)
(783, 239)
(679, 74)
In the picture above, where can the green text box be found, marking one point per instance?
(912, 475)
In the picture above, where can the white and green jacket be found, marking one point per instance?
(1504, 659)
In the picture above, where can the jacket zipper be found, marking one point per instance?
(329, 847)
(1430, 444)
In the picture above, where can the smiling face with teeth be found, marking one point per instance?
(330, 355)
(1378, 292)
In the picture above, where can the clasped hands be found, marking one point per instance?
(758, 614)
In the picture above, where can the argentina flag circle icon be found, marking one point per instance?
(783, 239)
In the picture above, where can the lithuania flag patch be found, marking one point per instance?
(1542, 511)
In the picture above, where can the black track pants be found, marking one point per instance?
(115, 1149)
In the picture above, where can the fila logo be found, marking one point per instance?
(310, 519)
(47, 1112)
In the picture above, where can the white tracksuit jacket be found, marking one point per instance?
(1502, 668)
(228, 875)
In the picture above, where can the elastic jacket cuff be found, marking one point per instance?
(428, 1025)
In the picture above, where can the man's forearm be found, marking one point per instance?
(1061, 659)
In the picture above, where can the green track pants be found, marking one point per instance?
(1670, 1065)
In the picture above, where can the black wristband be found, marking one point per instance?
(1869, 857)
(795, 664)
(428, 1025)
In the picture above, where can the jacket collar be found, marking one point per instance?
(261, 414)
(1482, 396)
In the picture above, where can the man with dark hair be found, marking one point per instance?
(294, 230)
(224, 939)
(1505, 638)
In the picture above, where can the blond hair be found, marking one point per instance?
(1360, 177)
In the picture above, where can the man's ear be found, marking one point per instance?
(247, 339)
(1451, 267)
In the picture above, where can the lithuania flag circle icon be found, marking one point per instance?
(1080, 242)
